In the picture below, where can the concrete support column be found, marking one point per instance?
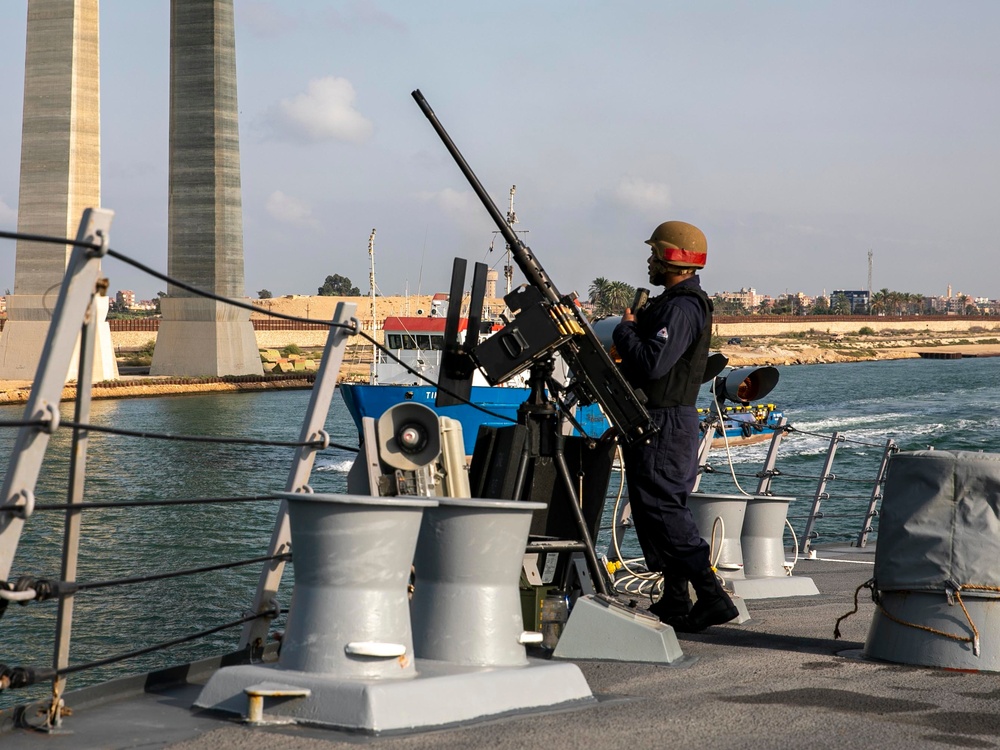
(205, 234)
(60, 175)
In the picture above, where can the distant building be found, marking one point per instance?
(859, 300)
(125, 299)
(748, 298)
(793, 303)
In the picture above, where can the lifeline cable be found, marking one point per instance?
(41, 589)
(50, 240)
(35, 676)
(203, 438)
(88, 505)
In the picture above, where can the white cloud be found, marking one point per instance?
(642, 196)
(289, 210)
(8, 215)
(324, 112)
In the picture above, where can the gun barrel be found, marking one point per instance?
(596, 376)
(523, 256)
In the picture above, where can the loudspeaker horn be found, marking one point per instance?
(748, 384)
(409, 436)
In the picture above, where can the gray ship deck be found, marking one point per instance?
(780, 680)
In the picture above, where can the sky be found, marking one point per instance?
(798, 136)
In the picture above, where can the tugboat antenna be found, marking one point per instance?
(508, 269)
(371, 281)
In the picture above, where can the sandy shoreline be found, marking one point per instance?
(18, 391)
(806, 354)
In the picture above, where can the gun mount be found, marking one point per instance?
(546, 322)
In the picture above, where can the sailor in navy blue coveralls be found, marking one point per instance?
(663, 350)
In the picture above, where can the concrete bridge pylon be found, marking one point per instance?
(60, 177)
(200, 336)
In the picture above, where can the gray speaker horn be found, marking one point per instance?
(409, 436)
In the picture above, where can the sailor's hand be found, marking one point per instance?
(629, 316)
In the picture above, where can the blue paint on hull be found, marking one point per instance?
(374, 400)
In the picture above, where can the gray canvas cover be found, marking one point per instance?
(940, 522)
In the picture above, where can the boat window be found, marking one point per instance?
(395, 341)
(437, 343)
(423, 341)
(408, 342)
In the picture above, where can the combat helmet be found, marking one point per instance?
(677, 243)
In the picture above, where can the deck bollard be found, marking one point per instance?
(765, 574)
(349, 613)
(466, 607)
(726, 546)
(347, 656)
(763, 532)
(936, 562)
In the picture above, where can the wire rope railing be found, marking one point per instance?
(832, 494)
(71, 317)
(836, 512)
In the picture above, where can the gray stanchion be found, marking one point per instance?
(466, 607)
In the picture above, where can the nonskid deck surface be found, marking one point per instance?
(780, 680)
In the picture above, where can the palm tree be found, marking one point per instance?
(598, 289)
(880, 301)
(610, 297)
(840, 305)
(619, 295)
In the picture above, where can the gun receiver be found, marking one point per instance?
(551, 322)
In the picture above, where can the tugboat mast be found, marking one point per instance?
(371, 282)
(508, 269)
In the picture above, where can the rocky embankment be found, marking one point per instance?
(18, 391)
(807, 349)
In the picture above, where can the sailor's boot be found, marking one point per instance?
(675, 603)
(713, 605)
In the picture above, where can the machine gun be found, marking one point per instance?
(545, 322)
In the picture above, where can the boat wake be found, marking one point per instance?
(338, 465)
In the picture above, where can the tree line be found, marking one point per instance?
(612, 297)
